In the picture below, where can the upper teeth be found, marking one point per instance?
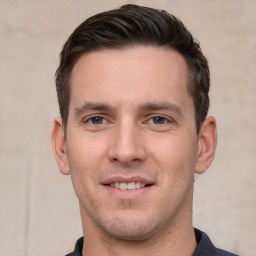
(130, 185)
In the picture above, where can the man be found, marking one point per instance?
(132, 87)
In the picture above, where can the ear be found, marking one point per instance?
(206, 145)
(59, 145)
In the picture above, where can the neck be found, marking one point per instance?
(177, 246)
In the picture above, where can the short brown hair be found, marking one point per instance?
(133, 25)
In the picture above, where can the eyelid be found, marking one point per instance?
(167, 119)
(89, 118)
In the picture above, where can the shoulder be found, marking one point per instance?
(224, 253)
(78, 248)
(206, 247)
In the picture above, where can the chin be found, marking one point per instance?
(129, 235)
(131, 229)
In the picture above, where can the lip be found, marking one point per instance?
(127, 180)
(127, 194)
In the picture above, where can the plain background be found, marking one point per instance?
(39, 212)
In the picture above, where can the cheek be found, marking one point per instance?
(85, 156)
(175, 155)
(85, 152)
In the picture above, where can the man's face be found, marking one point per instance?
(131, 140)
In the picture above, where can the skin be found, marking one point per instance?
(131, 119)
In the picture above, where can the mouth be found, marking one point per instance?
(128, 185)
(128, 190)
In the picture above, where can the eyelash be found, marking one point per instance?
(89, 120)
(164, 119)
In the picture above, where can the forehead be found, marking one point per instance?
(137, 72)
(151, 56)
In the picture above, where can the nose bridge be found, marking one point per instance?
(126, 144)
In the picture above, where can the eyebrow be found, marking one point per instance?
(92, 106)
(150, 106)
(161, 106)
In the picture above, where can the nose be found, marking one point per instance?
(127, 145)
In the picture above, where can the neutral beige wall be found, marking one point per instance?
(39, 213)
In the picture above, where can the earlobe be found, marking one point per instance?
(59, 145)
(206, 145)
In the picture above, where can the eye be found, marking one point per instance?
(158, 120)
(96, 120)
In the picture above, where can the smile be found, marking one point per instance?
(128, 186)
(125, 188)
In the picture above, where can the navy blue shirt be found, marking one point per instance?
(204, 248)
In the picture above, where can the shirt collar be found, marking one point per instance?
(204, 244)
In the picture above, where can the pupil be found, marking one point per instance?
(158, 120)
(97, 120)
